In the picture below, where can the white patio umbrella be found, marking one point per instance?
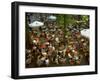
(85, 32)
(36, 24)
(52, 17)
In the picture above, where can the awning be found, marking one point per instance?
(52, 17)
(85, 32)
(36, 24)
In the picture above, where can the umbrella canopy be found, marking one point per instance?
(85, 32)
(36, 24)
(52, 17)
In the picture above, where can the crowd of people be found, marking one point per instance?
(49, 46)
